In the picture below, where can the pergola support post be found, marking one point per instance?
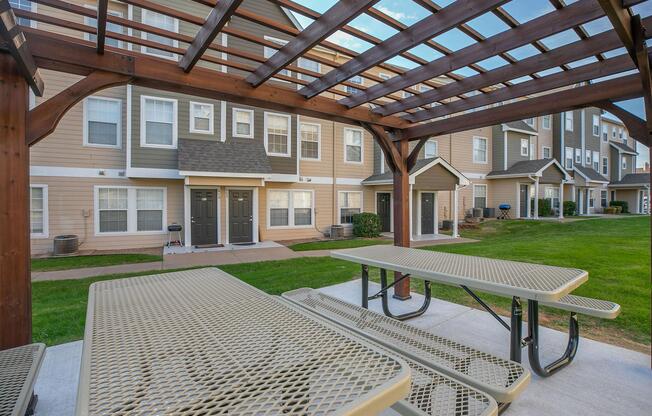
(15, 284)
(402, 213)
(561, 200)
(456, 217)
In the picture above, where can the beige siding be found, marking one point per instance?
(504, 191)
(437, 178)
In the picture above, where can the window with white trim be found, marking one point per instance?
(591, 198)
(625, 140)
(354, 80)
(479, 196)
(129, 209)
(243, 123)
(310, 141)
(529, 121)
(569, 158)
(302, 208)
(431, 149)
(158, 127)
(277, 134)
(38, 210)
(596, 125)
(568, 120)
(551, 193)
(525, 146)
(310, 65)
(603, 199)
(596, 161)
(160, 21)
(545, 122)
(290, 208)
(578, 156)
(201, 118)
(479, 150)
(620, 133)
(613, 133)
(605, 165)
(546, 152)
(102, 122)
(110, 27)
(353, 145)
(587, 155)
(605, 133)
(624, 162)
(350, 203)
(269, 52)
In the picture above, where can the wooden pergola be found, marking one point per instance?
(391, 119)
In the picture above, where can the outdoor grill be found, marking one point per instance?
(174, 228)
(504, 211)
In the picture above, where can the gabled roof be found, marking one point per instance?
(623, 148)
(520, 126)
(527, 168)
(232, 156)
(589, 174)
(633, 180)
(420, 167)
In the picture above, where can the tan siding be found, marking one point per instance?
(352, 170)
(437, 178)
(551, 175)
(461, 153)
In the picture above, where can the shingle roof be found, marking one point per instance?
(623, 147)
(524, 167)
(590, 173)
(520, 125)
(387, 176)
(633, 179)
(233, 156)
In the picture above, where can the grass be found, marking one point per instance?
(339, 244)
(77, 262)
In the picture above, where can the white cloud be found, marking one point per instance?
(347, 41)
(393, 14)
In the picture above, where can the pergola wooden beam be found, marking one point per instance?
(216, 20)
(102, 12)
(621, 19)
(554, 22)
(15, 42)
(427, 28)
(337, 16)
(643, 64)
(636, 126)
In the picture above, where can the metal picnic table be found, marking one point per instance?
(534, 282)
(203, 342)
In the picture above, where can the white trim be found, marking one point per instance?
(87, 36)
(546, 117)
(290, 225)
(486, 193)
(486, 152)
(504, 150)
(339, 207)
(234, 128)
(281, 43)
(527, 147)
(344, 130)
(154, 173)
(391, 207)
(182, 173)
(46, 214)
(85, 120)
(289, 134)
(191, 117)
(593, 119)
(517, 130)
(602, 160)
(439, 161)
(317, 180)
(254, 224)
(129, 92)
(143, 123)
(132, 211)
(572, 120)
(300, 142)
(143, 35)
(474, 175)
(349, 181)
(432, 141)
(543, 148)
(61, 171)
(282, 177)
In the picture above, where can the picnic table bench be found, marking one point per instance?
(548, 285)
(18, 370)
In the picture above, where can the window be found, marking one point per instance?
(552, 194)
(355, 80)
(38, 210)
(310, 65)
(605, 166)
(479, 150)
(596, 161)
(102, 119)
(613, 133)
(160, 21)
(269, 52)
(24, 5)
(569, 158)
(158, 126)
(302, 208)
(624, 162)
(596, 125)
(310, 140)
(587, 155)
(529, 121)
(568, 120)
(353, 145)
(479, 196)
(525, 146)
(110, 27)
(591, 198)
(625, 140)
(545, 150)
(279, 208)
(620, 133)
(290, 208)
(129, 209)
(243, 123)
(578, 156)
(277, 134)
(431, 149)
(201, 118)
(350, 203)
(605, 133)
(545, 122)
(603, 199)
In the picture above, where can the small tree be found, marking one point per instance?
(623, 204)
(570, 207)
(366, 224)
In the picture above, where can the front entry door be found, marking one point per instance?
(427, 213)
(384, 211)
(203, 219)
(241, 219)
(524, 198)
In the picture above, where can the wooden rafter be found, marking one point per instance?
(102, 12)
(621, 19)
(636, 126)
(643, 64)
(216, 20)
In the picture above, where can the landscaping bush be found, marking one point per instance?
(366, 224)
(545, 208)
(570, 208)
(622, 204)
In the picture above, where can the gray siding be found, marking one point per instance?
(592, 142)
(551, 175)
(557, 150)
(514, 148)
(377, 155)
(614, 164)
(497, 148)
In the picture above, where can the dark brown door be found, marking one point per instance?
(384, 211)
(203, 208)
(427, 213)
(241, 219)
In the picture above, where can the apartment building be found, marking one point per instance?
(128, 161)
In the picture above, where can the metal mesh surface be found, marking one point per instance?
(18, 369)
(202, 342)
(501, 378)
(507, 278)
(587, 306)
(435, 394)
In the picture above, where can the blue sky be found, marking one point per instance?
(409, 13)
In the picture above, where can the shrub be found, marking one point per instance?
(545, 209)
(366, 224)
(623, 204)
(570, 207)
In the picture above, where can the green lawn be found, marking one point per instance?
(77, 262)
(339, 244)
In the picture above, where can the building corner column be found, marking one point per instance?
(454, 213)
(536, 199)
(561, 200)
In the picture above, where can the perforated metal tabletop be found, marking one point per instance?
(503, 277)
(203, 342)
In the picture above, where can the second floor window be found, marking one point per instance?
(201, 118)
(568, 120)
(596, 161)
(545, 122)
(110, 27)
(102, 121)
(578, 156)
(529, 121)
(613, 133)
(355, 80)
(605, 134)
(430, 149)
(605, 166)
(479, 150)
(160, 21)
(479, 196)
(596, 125)
(269, 52)
(546, 152)
(620, 133)
(588, 157)
(525, 146)
(569, 158)
(158, 122)
(350, 203)
(625, 140)
(353, 146)
(310, 138)
(243, 123)
(310, 65)
(623, 162)
(23, 5)
(277, 134)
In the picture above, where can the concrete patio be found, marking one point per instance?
(603, 379)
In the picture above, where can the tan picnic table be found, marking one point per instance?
(203, 342)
